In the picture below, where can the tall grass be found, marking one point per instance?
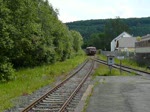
(104, 70)
(28, 80)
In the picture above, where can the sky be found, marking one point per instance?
(76, 10)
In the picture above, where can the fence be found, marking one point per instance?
(141, 59)
(119, 53)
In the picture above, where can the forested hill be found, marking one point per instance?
(137, 26)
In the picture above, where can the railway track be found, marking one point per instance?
(125, 68)
(60, 97)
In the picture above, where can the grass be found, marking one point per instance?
(104, 70)
(28, 80)
(102, 57)
(126, 62)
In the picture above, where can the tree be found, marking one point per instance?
(113, 28)
(98, 40)
(138, 38)
(6, 43)
(31, 35)
(77, 40)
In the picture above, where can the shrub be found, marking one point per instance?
(6, 71)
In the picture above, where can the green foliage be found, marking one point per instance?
(114, 27)
(31, 34)
(111, 28)
(104, 70)
(98, 40)
(138, 38)
(28, 80)
(6, 69)
(77, 40)
(137, 26)
(88, 27)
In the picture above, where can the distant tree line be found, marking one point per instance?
(31, 35)
(104, 30)
(112, 29)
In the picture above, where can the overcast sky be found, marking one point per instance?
(74, 10)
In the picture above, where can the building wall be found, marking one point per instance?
(142, 50)
(143, 46)
(114, 41)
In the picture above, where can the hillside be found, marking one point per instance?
(137, 26)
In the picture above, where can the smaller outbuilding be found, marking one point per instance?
(123, 42)
(142, 50)
(126, 44)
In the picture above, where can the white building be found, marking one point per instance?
(124, 41)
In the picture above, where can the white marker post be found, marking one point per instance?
(110, 61)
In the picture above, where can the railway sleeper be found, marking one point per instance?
(42, 103)
(55, 99)
(66, 93)
(49, 101)
(48, 106)
(58, 94)
(53, 95)
(62, 98)
(45, 110)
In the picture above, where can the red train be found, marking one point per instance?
(91, 50)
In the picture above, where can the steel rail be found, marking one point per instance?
(52, 90)
(62, 109)
(104, 62)
(124, 68)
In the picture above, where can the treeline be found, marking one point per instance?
(31, 35)
(112, 29)
(87, 28)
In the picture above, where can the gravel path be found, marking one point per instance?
(120, 94)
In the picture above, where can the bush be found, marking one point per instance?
(6, 71)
